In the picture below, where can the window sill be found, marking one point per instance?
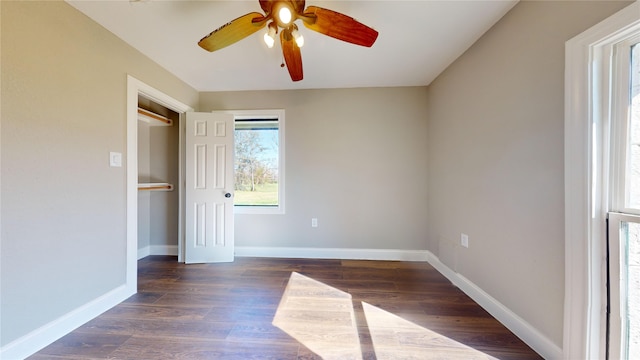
(259, 210)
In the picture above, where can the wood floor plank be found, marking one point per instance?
(232, 313)
(169, 313)
(160, 328)
(144, 297)
(265, 308)
(258, 332)
(84, 345)
(138, 348)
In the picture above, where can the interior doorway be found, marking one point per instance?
(158, 177)
(137, 90)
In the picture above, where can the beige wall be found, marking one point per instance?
(164, 205)
(355, 159)
(158, 211)
(496, 120)
(63, 208)
(158, 153)
(144, 175)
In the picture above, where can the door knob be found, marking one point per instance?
(227, 195)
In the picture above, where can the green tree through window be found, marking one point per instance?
(256, 162)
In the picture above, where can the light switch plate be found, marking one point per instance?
(464, 240)
(115, 159)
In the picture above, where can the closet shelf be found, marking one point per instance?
(155, 187)
(153, 119)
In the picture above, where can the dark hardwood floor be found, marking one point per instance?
(258, 308)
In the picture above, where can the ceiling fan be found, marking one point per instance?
(280, 15)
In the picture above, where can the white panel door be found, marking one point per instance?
(209, 188)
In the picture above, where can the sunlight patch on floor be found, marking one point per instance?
(396, 338)
(320, 317)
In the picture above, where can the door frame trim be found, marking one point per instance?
(136, 87)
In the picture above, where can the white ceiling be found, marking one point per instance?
(417, 41)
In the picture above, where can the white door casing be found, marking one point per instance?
(209, 184)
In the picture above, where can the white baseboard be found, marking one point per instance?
(527, 333)
(171, 250)
(38, 339)
(144, 252)
(332, 253)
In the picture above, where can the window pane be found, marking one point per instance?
(630, 235)
(632, 181)
(256, 163)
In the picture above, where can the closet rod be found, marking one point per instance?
(154, 116)
(167, 187)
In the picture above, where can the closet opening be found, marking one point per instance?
(158, 179)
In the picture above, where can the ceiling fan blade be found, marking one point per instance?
(233, 31)
(298, 6)
(266, 6)
(292, 55)
(340, 26)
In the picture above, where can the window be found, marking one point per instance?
(625, 127)
(632, 138)
(624, 227)
(587, 104)
(259, 162)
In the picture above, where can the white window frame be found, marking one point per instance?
(588, 94)
(267, 114)
(619, 129)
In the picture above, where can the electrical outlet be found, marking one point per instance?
(464, 240)
(314, 222)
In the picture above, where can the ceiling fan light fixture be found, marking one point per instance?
(270, 36)
(297, 36)
(283, 14)
(270, 41)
